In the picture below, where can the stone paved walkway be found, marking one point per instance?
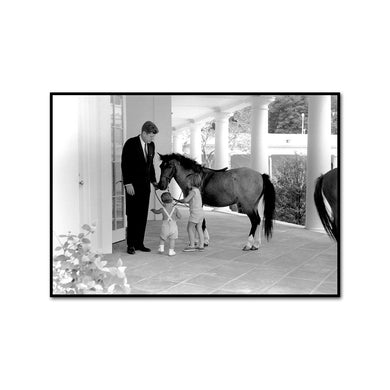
(295, 261)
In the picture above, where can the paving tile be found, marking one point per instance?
(292, 286)
(264, 272)
(332, 278)
(315, 269)
(285, 262)
(210, 263)
(137, 291)
(132, 261)
(301, 273)
(256, 261)
(302, 254)
(326, 288)
(318, 245)
(254, 280)
(177, 274)
(225, 292)
(187, 289)
(226, 254)
(132, 278)
(149, 270)
(153, 285)
(245, 286)
(212, 281)
(291, 261)
(231, 270)
(195, 266)
(326, 258)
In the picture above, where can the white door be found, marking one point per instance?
(118, 194)
(95, 168)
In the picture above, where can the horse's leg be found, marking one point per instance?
(257, 241)
(254, 221)
(205, 233)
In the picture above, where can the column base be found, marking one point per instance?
(222, 209)
(316, 230)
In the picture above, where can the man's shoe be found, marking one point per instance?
(143, 249)
(131, 250)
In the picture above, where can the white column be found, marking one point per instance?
(177, 142)
(259, 135)
(318, 152)
(222, 158)
(196, 142)
(177, 147)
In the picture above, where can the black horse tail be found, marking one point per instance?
(269, 205)
(327, 222)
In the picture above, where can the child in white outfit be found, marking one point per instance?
(169, 227)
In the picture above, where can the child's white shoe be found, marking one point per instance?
(161, 249)
(171, 252)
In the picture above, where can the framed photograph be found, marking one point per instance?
(195, 194)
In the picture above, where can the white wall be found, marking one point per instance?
(81, 151)
(65, 165)
(155, 108)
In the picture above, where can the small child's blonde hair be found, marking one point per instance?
(195, 179)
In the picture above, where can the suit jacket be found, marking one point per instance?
(135, 169)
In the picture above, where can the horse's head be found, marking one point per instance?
(168, 170)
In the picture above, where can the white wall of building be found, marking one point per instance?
(81, 154)
(293, 143)
(65, 166)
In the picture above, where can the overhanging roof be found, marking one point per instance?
(187, 109)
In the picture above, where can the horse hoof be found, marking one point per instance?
(254, 248)
(246, 248)
(206, 244)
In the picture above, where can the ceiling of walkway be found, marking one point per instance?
(202, 108)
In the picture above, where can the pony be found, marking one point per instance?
(224, 187)
(325, 194)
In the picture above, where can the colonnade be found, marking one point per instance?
(318, 147)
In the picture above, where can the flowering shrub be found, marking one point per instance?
(290, 188)
(79, 270)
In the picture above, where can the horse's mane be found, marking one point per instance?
(188, 163)
(185, 162)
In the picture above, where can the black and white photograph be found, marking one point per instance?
(196, 194)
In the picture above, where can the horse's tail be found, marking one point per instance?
(269, 205)
(325, 218)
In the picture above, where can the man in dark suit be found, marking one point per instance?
(138, 172)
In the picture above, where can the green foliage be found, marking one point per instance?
(290, 188)
(207, 132)
(78, 270)
(285, 114)
(334, 114)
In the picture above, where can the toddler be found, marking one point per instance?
(169, 227)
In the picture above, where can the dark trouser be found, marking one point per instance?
(137, 214)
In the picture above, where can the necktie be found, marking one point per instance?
(146, 151)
